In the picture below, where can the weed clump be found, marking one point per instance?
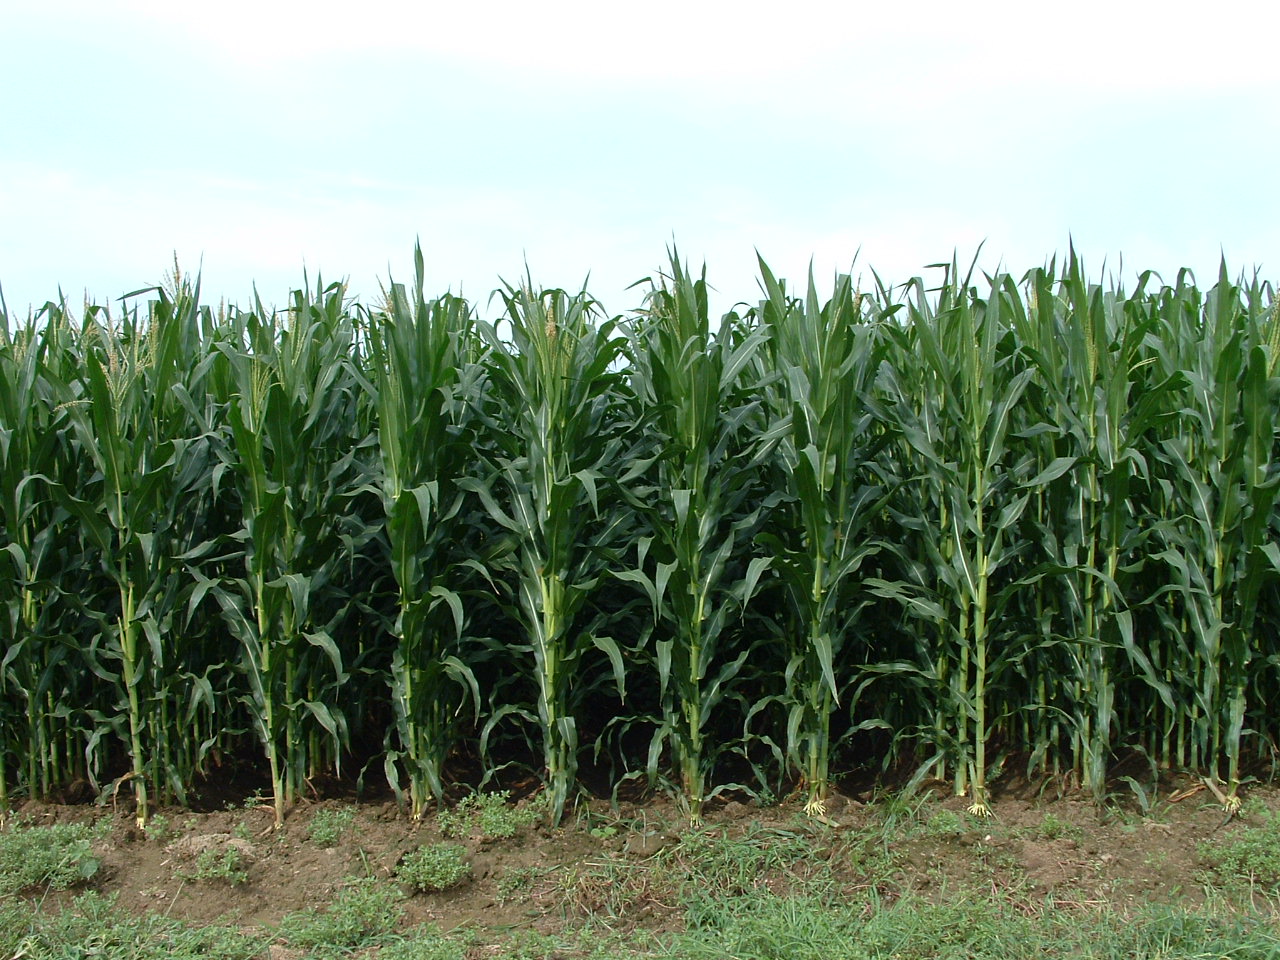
(363, 914)
(55, 857)
(1251, 857)
(490, 816)
(424, 943)
(435, 867)
(226, 866)
(518, 882)
(327, 826)
(94, 927)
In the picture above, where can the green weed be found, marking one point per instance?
(518, 882)
(1249, 858)
(159, 829)
(945, 823)
(364, 913)
(326, 827)
(424, 943)
(220, 866)
(1054, 828)
(93, 928)
(434, 867)
(490, 816)
(54, 857)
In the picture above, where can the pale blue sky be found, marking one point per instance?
(259, 137)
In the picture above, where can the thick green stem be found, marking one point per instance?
(817, 767)
(556, 748)
(691, 759)
(292, 742)
(960, 710)
(270, 720)
(690, 741)
(129, 665)
(4, 784)
(980, 806)
(34, 747)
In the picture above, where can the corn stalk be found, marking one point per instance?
(426, 379)
(290, 391)
(826, 358)
(552, 443)
(708, 435)
(30, 535)
(133, 425)
(953, 396)
(1218, 547)
(1096, 388)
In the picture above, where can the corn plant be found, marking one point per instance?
(953, 398)
(552, 441)
(1094, 387)
(48, 697)
(290, 391)
(426, 380)
(1218, 545)
(1034, 519)
(29, 433)
(709, 434)
(826, 358)
(132, 424)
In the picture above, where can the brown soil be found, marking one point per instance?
(1038, 845)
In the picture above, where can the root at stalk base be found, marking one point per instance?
(979, 808)
(816, 809)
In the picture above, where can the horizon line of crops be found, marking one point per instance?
(946, 525)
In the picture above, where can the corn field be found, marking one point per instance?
(962, 527)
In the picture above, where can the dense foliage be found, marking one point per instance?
(1002, 518)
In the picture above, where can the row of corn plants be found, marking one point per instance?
(946, 526)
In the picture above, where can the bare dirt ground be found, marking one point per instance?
(1039, 845)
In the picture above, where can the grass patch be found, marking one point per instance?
(710, 864)
(763, 927)
(52, 858)
(424, 943)
(94, 927)
(365, 913)
(1249, 859)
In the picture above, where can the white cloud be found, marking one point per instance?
(804, 129)
(938, 44)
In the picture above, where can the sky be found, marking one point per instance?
(261, 142)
